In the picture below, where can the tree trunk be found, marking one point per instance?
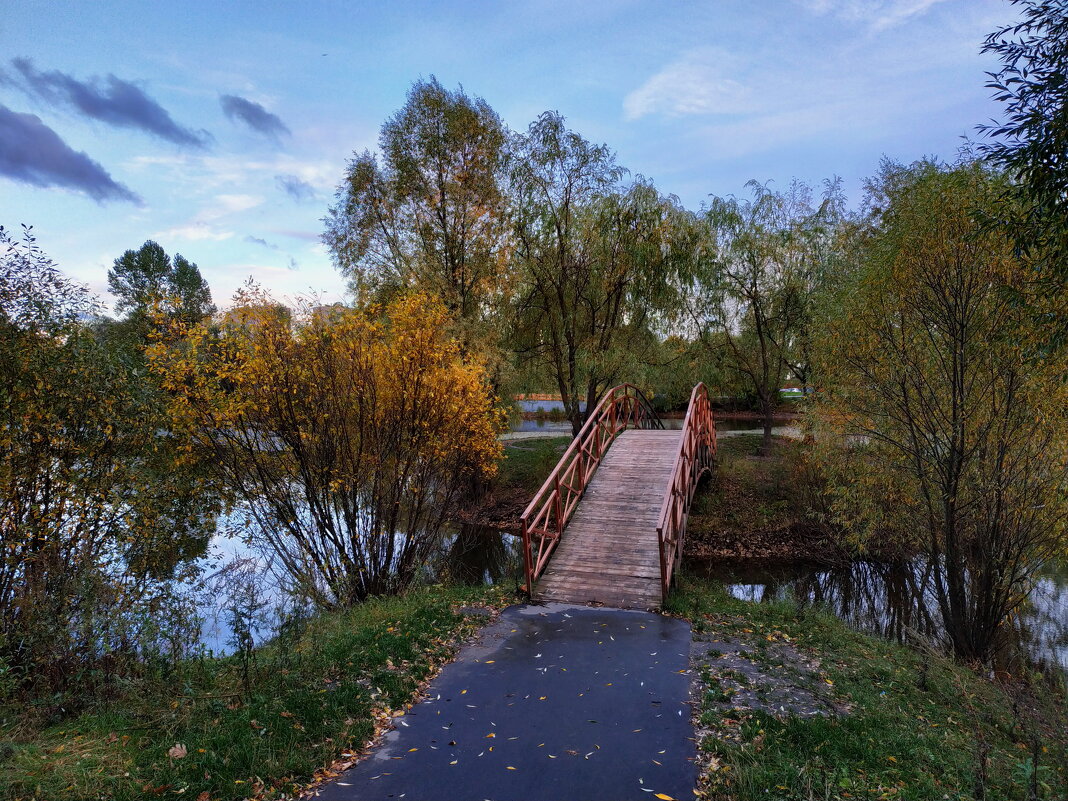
(767, 410)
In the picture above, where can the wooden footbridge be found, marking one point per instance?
(608, 524)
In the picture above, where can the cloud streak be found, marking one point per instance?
(110, 100)
(878, 15)
(255, 240)
(254, 116)
(34, 154)
(296, 187)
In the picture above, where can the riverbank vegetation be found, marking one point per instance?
(215, 727)
(858, 717)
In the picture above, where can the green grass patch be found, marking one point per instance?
(314, 695)
(527, 462)
(916, 725)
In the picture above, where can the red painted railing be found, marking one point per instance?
(697, 449)
(547, 514)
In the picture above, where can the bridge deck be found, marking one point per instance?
(609, 553)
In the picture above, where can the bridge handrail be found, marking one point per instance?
(550, 509)
(697, 448)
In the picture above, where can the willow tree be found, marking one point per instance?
(429, 214)
(933, 362)
(750, 297)
(347, 434)
(595, 261)
(1030, 143)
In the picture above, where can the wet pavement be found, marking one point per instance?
(553, 702)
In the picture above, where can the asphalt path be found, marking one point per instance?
(552, 703)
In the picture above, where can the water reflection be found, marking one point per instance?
(895, 601)
(480, 555)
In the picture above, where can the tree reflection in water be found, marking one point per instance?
(895, 600)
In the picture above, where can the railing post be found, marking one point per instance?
(528, 565)
(558, 508)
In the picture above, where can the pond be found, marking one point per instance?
(878, 598)
(873, 597)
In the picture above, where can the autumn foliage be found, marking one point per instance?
(941, 420)
(347, 435)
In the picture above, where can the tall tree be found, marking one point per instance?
(752, 293)
(942, 415)
(143, 278)
(595, 260)
(430, 216)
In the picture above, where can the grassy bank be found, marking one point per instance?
(316, 693)
(758, 507)
(870, 719)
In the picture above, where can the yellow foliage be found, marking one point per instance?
(371, 413)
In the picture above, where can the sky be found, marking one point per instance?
(222, 129)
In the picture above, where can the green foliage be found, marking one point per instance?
(1031, 141)
(431, 216)
(145, 279)
(597, 261)
(753, 296)
(316, 691)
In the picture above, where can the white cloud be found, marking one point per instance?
(194, 232)
(877, 15)
(697, 83)
(230, 204)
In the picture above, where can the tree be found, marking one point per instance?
(595, 261)
(940, 416)
(753, 293)
(1032, 140)
(431, 216)
(97, 499)
(143, 278)
(347, 434)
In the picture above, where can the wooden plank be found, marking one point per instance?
(609, 553)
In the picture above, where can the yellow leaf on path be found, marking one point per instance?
(510, 768)
(664, 797)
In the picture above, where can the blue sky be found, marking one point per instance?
(228, 124)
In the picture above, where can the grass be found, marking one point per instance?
(916, 725)
(527, 462)
(195, 733)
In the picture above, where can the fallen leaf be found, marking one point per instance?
(664, 797)
(177, 751)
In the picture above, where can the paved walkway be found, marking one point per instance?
(554, 702)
